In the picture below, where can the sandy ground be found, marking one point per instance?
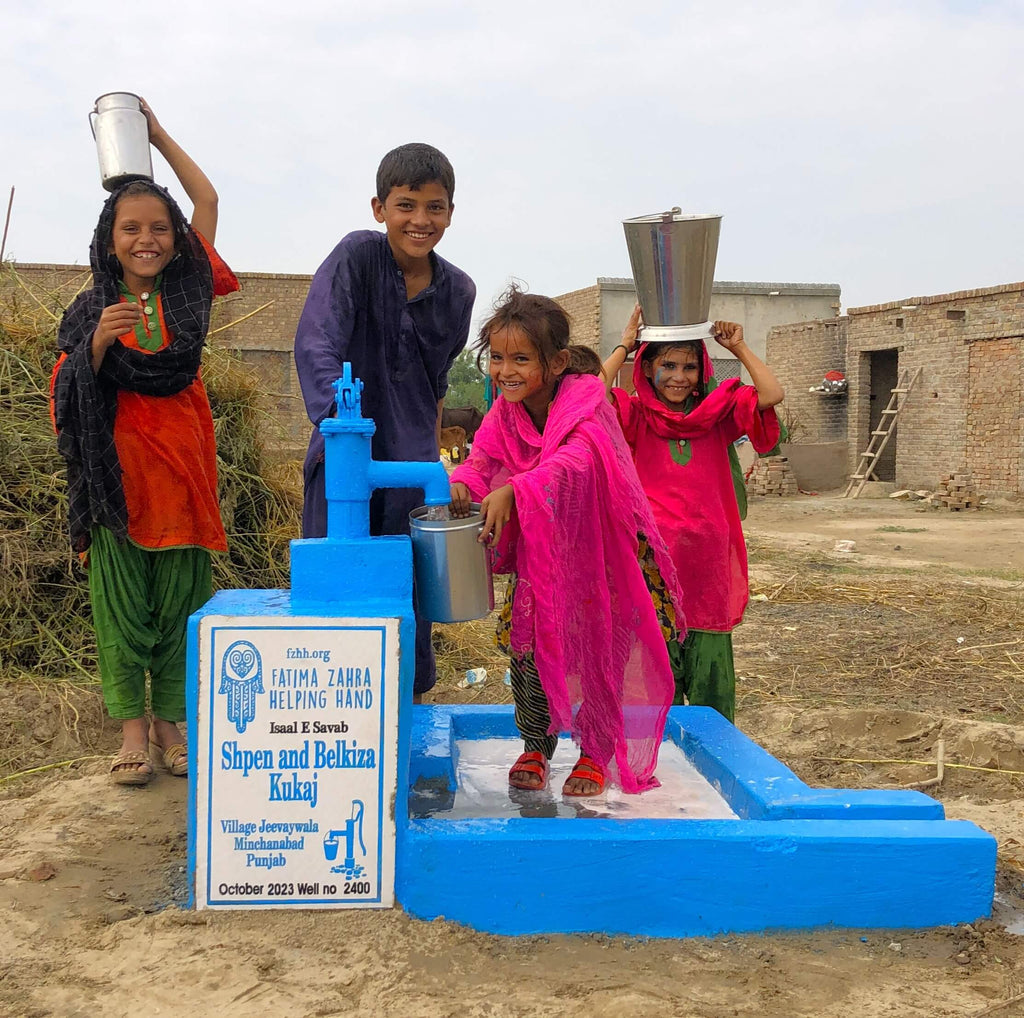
(895, 535)
(90, 875)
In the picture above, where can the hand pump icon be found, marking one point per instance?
(353, 828)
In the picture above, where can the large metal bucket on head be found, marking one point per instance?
(673, 258)
(452, 568)
(122, 139)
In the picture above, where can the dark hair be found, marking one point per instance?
(654, 350)
(544, 322)
(583, 360)
(412, 166)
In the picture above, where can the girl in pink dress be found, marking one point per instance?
(593, 595)
(680, 424)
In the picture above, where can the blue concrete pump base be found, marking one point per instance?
(797, 857)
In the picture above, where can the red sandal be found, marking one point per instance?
(585, 770)
(536, 765)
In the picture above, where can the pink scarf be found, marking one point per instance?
(683, 463)
(581, 603)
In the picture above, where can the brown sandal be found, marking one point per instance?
(123, 773)
(174, 758)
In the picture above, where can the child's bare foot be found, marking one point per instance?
(586, 779)
(529, 772)
(132, 766)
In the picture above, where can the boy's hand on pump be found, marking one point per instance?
(497, 509)
(728, 334)
(461, 505)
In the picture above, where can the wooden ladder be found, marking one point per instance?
(881, 435)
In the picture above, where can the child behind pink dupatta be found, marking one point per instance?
(582, 605)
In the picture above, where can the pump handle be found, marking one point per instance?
(358, 817)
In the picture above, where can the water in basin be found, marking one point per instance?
(482, 789)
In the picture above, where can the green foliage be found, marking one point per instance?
(465, 382)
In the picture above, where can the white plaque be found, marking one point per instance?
(296, 762)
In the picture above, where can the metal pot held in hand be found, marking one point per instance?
(452, 568)
(122, 139)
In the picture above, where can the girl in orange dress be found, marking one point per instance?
(135, 429)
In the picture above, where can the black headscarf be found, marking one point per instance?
(85, 403)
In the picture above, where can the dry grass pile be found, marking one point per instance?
(45, 624)
(824, 635)
(464, 645)
(261, 503)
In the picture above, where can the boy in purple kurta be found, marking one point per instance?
(400, 314)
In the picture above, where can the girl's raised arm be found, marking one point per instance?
(614, 361)
(196, 184)
(769, 389)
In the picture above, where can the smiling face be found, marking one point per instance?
(416, 219)
(516, 368)
(142, 240)
(674, 374)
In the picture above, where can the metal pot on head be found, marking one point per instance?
(452, 568)
(673, 259)
(122, 139)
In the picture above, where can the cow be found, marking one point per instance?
(453, 442)
(468, 418)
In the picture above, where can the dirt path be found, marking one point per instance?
(89, 875)
(897, 535)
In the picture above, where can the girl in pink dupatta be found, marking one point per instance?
(681, 424)
(593, 595)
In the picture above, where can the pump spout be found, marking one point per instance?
(430, 476)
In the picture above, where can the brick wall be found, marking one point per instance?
(965, 413)
(994, 414)
(270, 305)
(584, 310)
(800, 354)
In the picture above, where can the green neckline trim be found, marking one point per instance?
(127, 293)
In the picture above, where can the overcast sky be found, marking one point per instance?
(877, 145)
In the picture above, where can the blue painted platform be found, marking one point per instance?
(795, 857)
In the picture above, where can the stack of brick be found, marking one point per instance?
(956, 492)
(772, 475)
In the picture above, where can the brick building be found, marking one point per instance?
(966, 412)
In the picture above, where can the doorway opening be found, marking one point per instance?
(884, 377)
